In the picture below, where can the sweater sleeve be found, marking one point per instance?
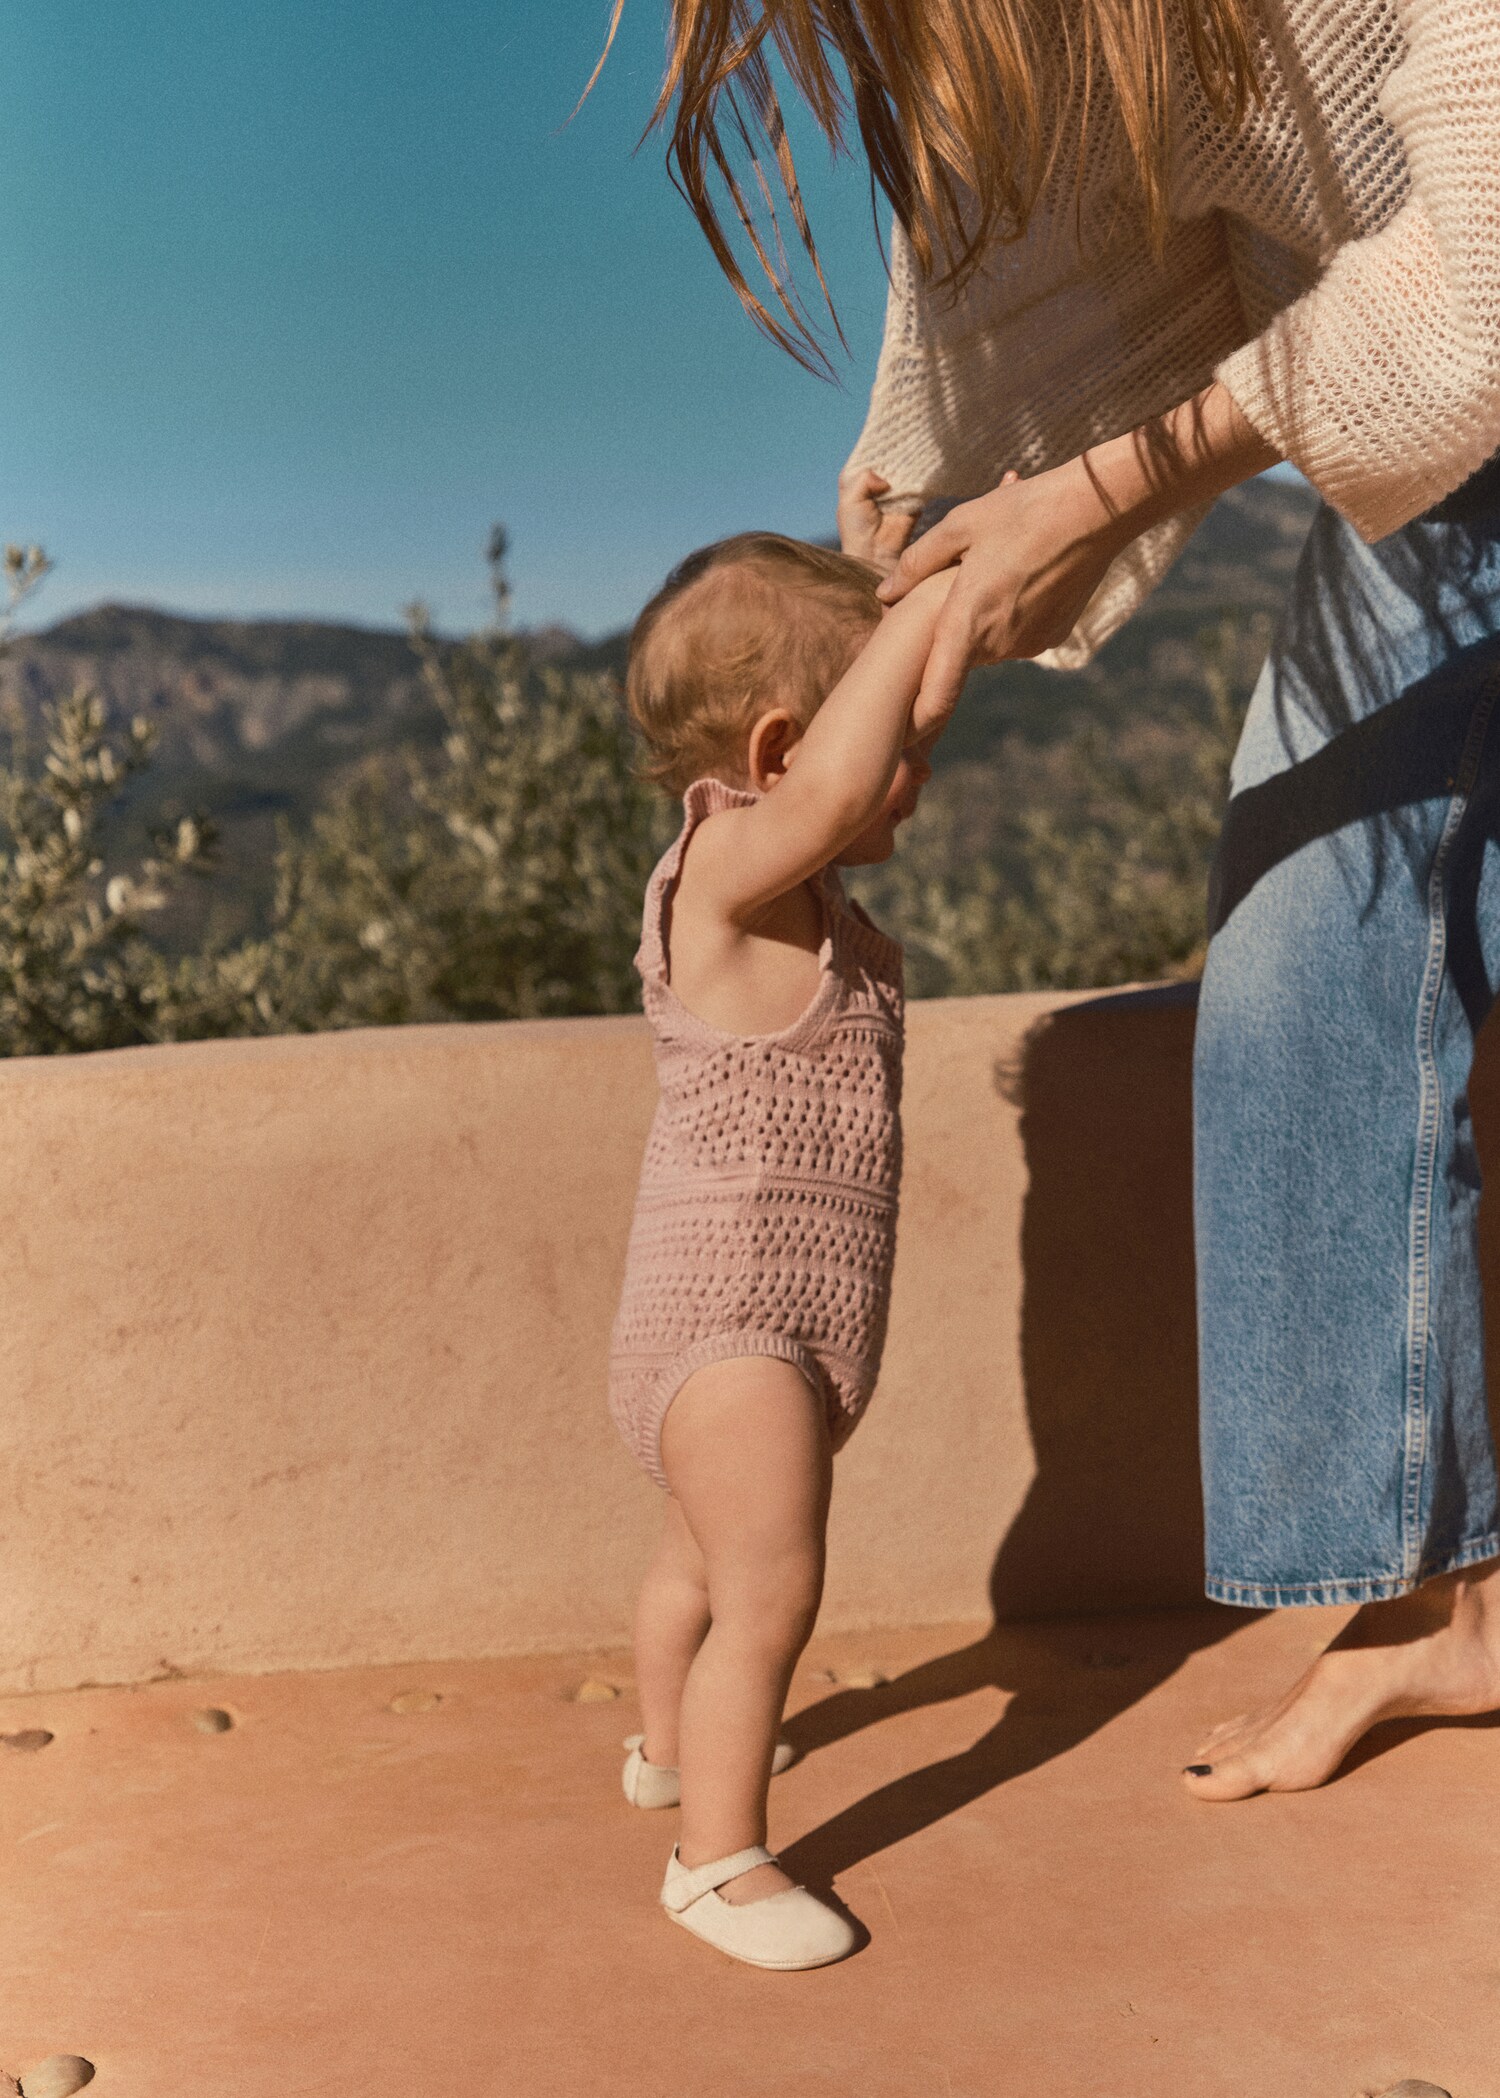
(1024, 372)
(1382, 383)
(909, 429)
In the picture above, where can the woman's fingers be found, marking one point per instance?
(861, 480)
(947, 666)
(858, 490)
(858, 516)
(894, 530)
(930, 555)
(865, 530)
(946, 543)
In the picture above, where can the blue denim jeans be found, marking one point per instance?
(1356, 938)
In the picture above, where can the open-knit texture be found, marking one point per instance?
(766, 1218)
(1336, 263)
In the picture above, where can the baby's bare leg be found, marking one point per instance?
(746, 1453)
(671, 1620)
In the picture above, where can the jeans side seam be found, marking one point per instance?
(1429, 1122)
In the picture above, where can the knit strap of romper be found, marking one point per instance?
(705, 797)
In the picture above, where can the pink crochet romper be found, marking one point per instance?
(766, 1218)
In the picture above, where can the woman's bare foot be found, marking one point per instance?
(1432, 1654)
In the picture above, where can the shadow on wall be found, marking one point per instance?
(1108, 1321)
(1108, 1339)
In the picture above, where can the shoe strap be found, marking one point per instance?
(687, 1887)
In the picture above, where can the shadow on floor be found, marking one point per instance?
(1395, 1733)
(1065, 1681)
(1113, 1518)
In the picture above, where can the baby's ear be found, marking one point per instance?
(773, 744)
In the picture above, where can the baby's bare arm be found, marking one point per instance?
(744, 858)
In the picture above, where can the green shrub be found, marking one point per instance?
(1103, 882)
(76, 970)
(501, 877)
(501, 880)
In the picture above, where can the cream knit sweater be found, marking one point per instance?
(1336, 264)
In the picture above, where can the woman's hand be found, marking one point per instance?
(1032, 553)
(865, 530)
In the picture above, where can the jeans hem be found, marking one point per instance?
(1370, 1588)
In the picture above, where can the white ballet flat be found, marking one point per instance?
(658, 1785)
(791, 1930)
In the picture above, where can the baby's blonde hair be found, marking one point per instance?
(750, 623)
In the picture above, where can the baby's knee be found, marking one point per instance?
(773, 1606)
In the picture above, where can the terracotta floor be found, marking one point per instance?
(335, 1897)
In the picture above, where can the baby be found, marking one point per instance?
(776, 697)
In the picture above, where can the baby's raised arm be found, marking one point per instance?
(841, 772)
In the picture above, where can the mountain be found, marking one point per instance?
(250, 711)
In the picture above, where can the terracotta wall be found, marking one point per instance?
(303, 1341)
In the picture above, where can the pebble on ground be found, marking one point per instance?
(59, 2076)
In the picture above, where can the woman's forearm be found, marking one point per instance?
(1031, 553)
(1175, 462)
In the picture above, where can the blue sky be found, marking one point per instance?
(300, 296)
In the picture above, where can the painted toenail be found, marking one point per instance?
(1199, 1770)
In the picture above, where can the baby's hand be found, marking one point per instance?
(865, 530)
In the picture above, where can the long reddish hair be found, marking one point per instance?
(961, 106)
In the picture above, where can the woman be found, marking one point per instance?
(1144, 249)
